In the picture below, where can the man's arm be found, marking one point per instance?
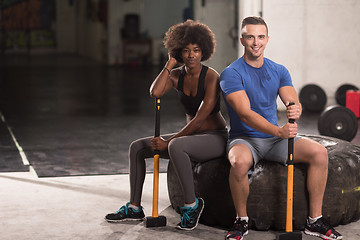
(288, 94)
(239, 101)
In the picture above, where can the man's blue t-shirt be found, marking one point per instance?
(262, 88)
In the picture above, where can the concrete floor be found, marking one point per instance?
(74, 121)
(74, 208)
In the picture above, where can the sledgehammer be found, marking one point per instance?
(290, 234)
(155, 220)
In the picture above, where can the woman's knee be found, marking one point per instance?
(175, 146)
(139, 149)
(135, 146)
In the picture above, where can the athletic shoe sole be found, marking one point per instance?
(316, 234)
(197, 221)
(245, 233)
(124, 220)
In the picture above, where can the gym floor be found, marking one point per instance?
(66, 124)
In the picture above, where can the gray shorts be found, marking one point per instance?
(271, 149)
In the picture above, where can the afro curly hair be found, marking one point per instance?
(190, 32)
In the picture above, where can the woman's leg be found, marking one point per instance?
(200, 148)
(139, 150)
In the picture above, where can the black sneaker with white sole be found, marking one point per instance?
(238, 230)
(190, 216)
(321, 228)
(126, 213)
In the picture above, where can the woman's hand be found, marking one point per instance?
(171, 61)
(158, 143)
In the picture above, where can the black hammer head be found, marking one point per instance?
(159, 221)
(289, 236)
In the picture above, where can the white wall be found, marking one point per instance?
(91, 33)
(78, 33)
(247, 8)
(116, 12)
(316, 40)
(157, 16)
(219, 15)
(65, 27)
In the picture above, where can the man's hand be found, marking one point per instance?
(289, 130)
(293, 111)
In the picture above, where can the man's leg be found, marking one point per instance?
(241, 161)
(316, 156)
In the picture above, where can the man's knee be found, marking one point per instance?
(321, 155)
(317, 155)
(240, 164)
(311, 152)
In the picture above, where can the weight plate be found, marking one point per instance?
(340, 94)
(313, 98)
(339, 122)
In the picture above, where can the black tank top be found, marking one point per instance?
(192, 104)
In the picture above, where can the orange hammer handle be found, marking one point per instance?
(290, 182)
(155, 211)
(289, 202)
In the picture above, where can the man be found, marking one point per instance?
(250, 86)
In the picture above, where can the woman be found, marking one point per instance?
(204, 135)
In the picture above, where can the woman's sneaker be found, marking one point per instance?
(238, 230)
(321, 228)
(126, 213)
(190, 215)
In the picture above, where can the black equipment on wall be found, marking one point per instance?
(131, 27)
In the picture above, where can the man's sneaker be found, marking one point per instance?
(238, 230)
(126, 213)
(190, 216)
(321, 228)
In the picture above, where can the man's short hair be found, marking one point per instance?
(254, 21)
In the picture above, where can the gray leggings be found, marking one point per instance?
(199, 147)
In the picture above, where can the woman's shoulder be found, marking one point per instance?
(212, 73)
(212, 78)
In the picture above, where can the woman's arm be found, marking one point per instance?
(212, 91)
(165, 80)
